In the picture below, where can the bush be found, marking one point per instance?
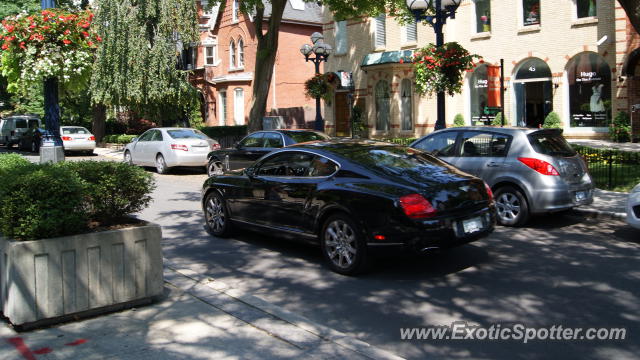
(216, 132)
(113, 190)
(9, 161)
(458, 120)
(497, 121)
(41, 201)
(118, 139)
(552, 121)
(620, 129)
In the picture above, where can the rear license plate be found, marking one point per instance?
(472, 225)
(581, 195)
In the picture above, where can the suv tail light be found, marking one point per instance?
(66, 138)
(416, 207)
(179, 147)
(540, 166)
(215, 146)
(489, 192)
(92, 138)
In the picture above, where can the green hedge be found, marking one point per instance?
(43, 201)
(216, 132)
(118, 139)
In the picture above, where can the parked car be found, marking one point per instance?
(77, 139)
(165, 148)
(633, 207)
(352, 197)
(530, 171)
(31, 139)
(255, 145)
(12, 127)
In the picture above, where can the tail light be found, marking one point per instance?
(417, 207)
(540, 166)
(215, 146)
(489, 192)
(179, 147)
(92, 138)
(66, 138)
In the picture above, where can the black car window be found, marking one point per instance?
(286, 164)
(304, 136)
(75, 130)
(321, 166)
(550, 143)
(252, 141)
(442, 144)
(157, 136)
(273, 140)
(146, 136)
(21, 123)
(484, 144)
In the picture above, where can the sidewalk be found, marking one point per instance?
(110, 153)
(200, 318)
(610, 204)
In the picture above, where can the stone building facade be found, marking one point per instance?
(567, 56)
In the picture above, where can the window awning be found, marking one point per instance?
(387, 57)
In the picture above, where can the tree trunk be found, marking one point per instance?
(98, 125)
(265, 59)
(632, 8)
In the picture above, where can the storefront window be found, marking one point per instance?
(478, 85)
(531, 12)
(483, 16)
(383, 105)
(586, 8)
(589, 90)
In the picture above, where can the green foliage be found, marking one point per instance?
(620, 128)
(458, 120)
(216, 132)
(552, 121)
(400, 141)
(11, 160)
(136, 62)
(113, 190)
(320, 85)
(441, 69)
(118, 139)
(497, 121)
(359, 125)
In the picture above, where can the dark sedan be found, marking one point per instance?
(255, 145)
(32, 139)
(352, 197)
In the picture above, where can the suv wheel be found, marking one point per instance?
(511, 206)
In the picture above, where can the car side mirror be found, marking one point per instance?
(250, 172)
(134, 139)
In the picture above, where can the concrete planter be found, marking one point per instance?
(53, 280)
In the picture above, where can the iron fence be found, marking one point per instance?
(612, 169)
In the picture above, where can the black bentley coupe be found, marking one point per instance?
(352, 197)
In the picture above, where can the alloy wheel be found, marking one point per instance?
(508, 206)
(127, 158)
(215, 215)
(340, 243)
(161, 166)
(215, 168)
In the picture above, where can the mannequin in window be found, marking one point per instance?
(596, 104)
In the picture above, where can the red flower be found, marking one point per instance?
(90, 43)
(22, 45)
(66, 42)
(5, 46)
(98, 38)
(85, 34)
(67, 32)
(9, 28)
(401, 61)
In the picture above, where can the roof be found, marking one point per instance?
(298, 11)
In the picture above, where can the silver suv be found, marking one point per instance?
(530, 171)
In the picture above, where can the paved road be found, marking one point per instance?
(560, 270)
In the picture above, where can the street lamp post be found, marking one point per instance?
(321, 52)
(444, 9)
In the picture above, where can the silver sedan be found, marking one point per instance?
(77, 138)
(165, 148)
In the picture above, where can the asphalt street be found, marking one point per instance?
(559, 270)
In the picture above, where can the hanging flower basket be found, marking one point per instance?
(441, 69)
(52, 43)
(320, 85)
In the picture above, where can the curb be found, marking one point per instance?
(322, 332)
(599, 214)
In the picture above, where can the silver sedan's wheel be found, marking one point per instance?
(161, 165)
(343, 246)
(508, 206)
(127, 158)
(511, 206)
(215, 213)
(215, 168)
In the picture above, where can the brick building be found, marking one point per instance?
(577, 58)
(226, 61)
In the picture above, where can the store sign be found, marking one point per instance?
(482, 84)
(345, 79)
(588, 76)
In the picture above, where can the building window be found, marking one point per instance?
(235, 10)
(210, 54)
(483, 16)
(222, 107)
(533, 91)
(531, 12)
(410, 33)
(478, 91)
(240, 53)
(341, 37)
(383, 105)
(238, 106)
(407, 106)
(381, 29)
(586, 8)
(589, 78)
(232, 55)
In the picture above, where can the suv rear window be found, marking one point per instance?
(550, 143)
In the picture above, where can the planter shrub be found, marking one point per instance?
(552, 121)
(620, 129)
(118, 138)
(458, 120)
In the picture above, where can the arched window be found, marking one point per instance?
(589, 80)
(238, 106)
(533, 90)
(232, 55)
(240, 53)
(383, 105)
(407, 106)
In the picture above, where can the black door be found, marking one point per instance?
(247, 151)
